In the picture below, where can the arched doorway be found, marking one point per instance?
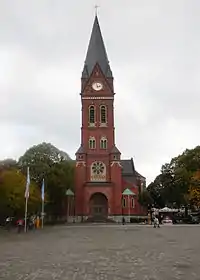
(98, 206)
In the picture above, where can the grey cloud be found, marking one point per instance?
(153, 48)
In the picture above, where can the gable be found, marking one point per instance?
(97, 75)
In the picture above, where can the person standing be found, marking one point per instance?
(37, 222)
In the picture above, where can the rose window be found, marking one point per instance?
(98, 167)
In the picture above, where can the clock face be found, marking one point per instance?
(97, 86)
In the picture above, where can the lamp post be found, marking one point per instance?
(129, 209)
(69, 193)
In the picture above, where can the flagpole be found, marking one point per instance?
(42, 196)
(42, 213)
(68, 209)
(26, 196)
(26, 209)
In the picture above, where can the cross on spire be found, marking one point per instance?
(96, 9)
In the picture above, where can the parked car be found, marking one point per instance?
(167, 221)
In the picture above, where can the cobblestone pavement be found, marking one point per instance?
(100, 252)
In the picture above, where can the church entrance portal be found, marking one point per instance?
(98, 207)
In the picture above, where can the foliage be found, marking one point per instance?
(8, 163)
(58, 179)
(44, 161)
(48, 162)
(176, 184)
(145, 198)
(194, 190)
(12, 189)
(40, 158)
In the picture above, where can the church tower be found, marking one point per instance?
(98, 173)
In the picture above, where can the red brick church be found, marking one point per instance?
(106, 187)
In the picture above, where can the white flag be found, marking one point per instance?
(27, 184)
(42, 190)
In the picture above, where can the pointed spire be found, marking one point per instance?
(96, 53)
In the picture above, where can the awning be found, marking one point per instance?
(69, 193)
(128, 192)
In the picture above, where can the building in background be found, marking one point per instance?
(101, 176)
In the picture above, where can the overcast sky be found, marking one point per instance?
(154, 52)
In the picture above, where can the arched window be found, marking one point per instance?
(92, 143)
(103, 143)
(103, 114)
(91, 115)
(132, 202)
(123, 202)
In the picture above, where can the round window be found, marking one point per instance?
(98, 167)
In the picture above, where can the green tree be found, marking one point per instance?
(59, 178)
(145, 198)
(12, 190)
(156, 190)
(194, 190)
(56, 167)
(40, 158)
(174, 182)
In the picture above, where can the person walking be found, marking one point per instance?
(19, 225)
(156, 222)
(8, 223)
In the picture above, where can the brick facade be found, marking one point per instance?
(100, 174)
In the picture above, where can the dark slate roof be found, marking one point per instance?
(114, 150)
(96, 53)
(139, 175)
(128, 167)
(81, 150)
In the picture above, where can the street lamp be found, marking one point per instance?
(69, 193)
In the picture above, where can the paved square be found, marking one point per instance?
(113, 252)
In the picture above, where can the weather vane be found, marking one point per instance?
(96, 9)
